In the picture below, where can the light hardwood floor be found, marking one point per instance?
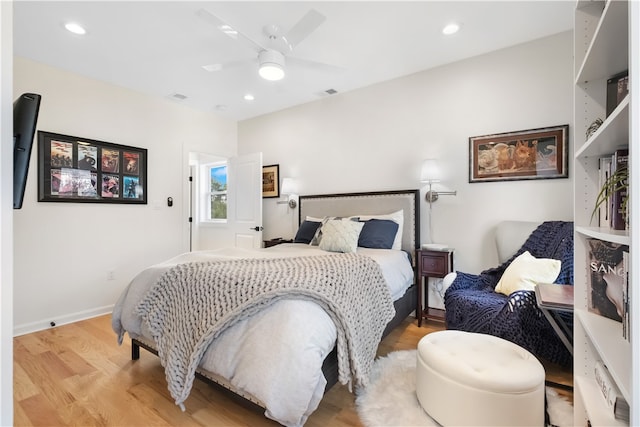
(77, 375)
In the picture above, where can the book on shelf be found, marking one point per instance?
(610, 392)
(555, 296)
(605, 278)
(619, 161)
(617, 89)
(626, 319)
(604, 170)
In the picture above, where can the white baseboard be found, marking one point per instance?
(65, 319)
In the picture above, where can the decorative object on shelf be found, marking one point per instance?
(617, 89)
(593, 127)
(610, 392)
(526, 154)
(74, 169)
(430, 173)
(605, 278)
(270, 181)
(614, 191)
(289, 189)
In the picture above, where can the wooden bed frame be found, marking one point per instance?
(371, 203)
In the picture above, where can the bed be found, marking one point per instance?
(281, 350)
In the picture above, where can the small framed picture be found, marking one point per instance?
(271, 181)
(526, 154)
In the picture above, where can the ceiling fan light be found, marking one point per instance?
(271, 72)
(271, 65)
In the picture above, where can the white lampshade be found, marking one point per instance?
(271, 65)
(430, 171)
(288, 186)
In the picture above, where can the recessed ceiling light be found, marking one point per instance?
(249, 97)
(75, 28)
(450, 29)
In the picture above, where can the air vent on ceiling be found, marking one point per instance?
(178, 96)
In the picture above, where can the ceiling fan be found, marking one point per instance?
(277, 47)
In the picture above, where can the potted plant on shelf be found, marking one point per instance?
(618, 181)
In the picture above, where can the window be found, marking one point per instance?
(215, 206)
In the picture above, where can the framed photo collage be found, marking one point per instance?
(73, 169)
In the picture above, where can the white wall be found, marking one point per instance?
(63, 251)
(375, 139)
(6, 214)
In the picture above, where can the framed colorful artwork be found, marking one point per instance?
(74, 169)
(527, 154)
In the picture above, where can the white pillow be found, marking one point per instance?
(340, 235)
(397, 217)
(526, 271)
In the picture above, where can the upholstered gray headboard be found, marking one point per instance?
(373, 203)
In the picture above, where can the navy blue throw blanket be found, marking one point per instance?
(472, 305)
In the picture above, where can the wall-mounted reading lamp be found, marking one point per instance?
(289, 189)
(430, 174)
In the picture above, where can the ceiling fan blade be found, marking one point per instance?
(229, 30)
(303, 28)
(215, 67)
(321, 66)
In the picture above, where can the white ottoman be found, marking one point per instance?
(469, 379)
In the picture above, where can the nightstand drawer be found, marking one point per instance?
(434, 264)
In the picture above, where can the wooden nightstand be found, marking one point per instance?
(273, 242)
(430, 264)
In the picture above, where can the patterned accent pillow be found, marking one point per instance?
(317, 237)
(340, 235)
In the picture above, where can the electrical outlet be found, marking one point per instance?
(111, 275)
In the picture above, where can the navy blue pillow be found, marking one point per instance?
(306, 231)
(378, 234)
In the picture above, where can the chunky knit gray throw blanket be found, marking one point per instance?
(192, 303)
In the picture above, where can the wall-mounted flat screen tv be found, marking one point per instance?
(25, 117)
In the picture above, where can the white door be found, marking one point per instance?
(243, 225)
(244, 209)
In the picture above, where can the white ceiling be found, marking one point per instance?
(159, 47)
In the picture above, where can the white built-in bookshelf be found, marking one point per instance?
(605, 44)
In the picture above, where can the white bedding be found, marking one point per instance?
(277, 354)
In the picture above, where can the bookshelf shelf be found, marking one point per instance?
(597, 412)
(614, 351)
(605, 44)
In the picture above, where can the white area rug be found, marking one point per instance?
(390, 399)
